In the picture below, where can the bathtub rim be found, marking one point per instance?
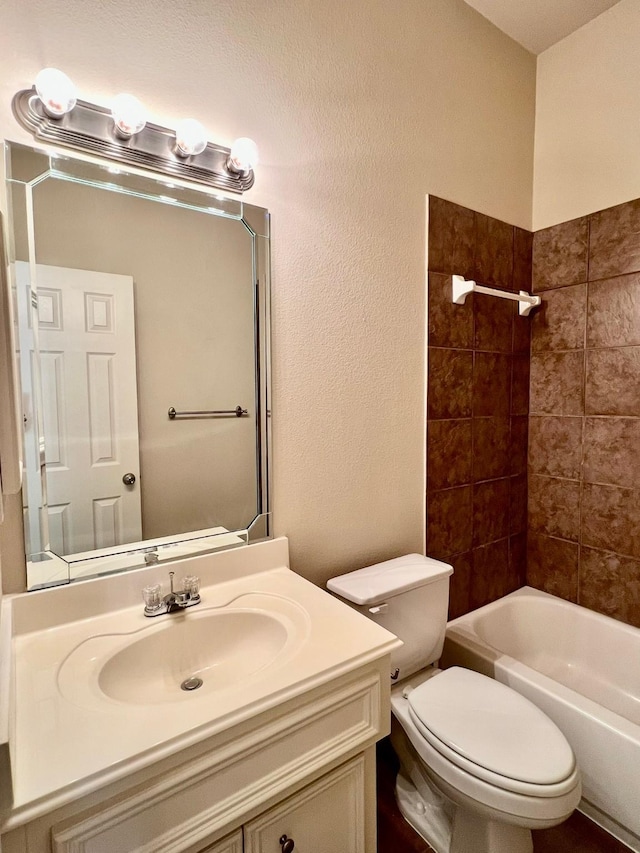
(458, 629)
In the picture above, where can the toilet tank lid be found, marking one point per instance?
(374, 584)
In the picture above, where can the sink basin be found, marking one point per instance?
(223, 647)
(183, 655)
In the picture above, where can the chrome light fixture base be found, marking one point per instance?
(90, 128)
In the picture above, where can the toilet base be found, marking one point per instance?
(472, 833)
(427, 815)
(450, 829)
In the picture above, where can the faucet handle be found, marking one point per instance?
(191, 585)
(152, 597)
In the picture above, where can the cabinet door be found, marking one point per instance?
(231, 844)
(324, 817)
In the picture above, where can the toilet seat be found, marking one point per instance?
(523, 804)
(492, 733)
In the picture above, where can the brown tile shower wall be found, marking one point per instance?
(584, 426)
(477, 405)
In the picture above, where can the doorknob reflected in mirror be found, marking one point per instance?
(129, 479)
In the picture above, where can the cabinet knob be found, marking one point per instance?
(287, 844)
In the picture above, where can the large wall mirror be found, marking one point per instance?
(142, 318)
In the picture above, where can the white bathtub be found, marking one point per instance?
(583, 670)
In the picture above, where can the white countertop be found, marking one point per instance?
(63, 749)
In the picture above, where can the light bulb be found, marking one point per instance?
(243, 156)
(191, 137)
(56, 91)
(129, 115)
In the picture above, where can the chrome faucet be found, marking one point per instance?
(188, 596)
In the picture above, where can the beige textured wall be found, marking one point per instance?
(588, 119)
(360, 109)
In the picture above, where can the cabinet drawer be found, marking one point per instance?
(327, 815)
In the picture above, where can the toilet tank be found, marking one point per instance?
(408, 596)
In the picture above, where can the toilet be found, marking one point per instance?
(480, 765)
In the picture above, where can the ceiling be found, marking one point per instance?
(537, 24)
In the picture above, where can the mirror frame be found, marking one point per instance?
(78, 169)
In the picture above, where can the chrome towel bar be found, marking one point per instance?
(238, 412)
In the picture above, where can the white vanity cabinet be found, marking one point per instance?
(305, 770)
(288, 752)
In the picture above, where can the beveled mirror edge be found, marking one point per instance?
(11, 449)
(257, 222)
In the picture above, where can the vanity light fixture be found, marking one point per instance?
(51, 112)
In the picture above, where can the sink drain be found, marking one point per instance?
(191, 683)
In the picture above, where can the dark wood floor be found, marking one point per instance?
(576, 835)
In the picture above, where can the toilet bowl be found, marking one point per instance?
(480, 765)
(502, 764)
